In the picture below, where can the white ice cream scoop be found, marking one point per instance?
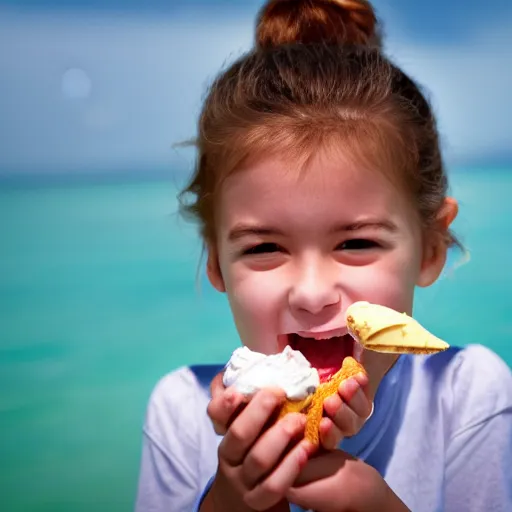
(249, 371)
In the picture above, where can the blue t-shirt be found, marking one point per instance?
(440, 435)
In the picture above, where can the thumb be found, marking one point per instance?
(217, 385)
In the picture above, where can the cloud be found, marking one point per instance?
(103, 91)
(469, 85)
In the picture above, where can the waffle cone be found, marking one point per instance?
(383, 329)
(313, 405)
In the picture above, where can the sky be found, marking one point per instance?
(111, 85)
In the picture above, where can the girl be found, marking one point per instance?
(320, 182)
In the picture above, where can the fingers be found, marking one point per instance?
(271, 490)
(269, 448)
(330, 435)
(362, 378)
(246, 428)
(223, 404)
(323, 466)
(317, 487)
(354, 395)
(259, 459)
(346, 411)
(222, 407)
(217, 385)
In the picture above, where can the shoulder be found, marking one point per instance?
(179, 443)
(472, 381)
(179, 400)
(477, 370)
(473, 366)
(478, 364)
(482, 382)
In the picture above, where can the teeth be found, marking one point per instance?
(320, 336)
(358, 348)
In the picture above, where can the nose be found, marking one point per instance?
(314, 290)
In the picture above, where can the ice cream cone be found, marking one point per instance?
(383, 329)
(313, 405)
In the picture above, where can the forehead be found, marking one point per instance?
(279, 188)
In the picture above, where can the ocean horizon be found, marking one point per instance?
(102, 292)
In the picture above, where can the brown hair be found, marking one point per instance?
(317, 75)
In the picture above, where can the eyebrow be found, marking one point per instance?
(243, 230)
(385, 225)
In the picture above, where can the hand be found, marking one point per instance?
(337, 482)
(259, 459)
(346, 412)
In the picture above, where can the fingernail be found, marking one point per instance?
(350, 386)
(294, 422)
(302, 455)
(300, 423)
(362, 378)
(309, 447)
(229, 397)
(232, 398)
(331, 404)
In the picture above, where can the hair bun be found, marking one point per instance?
(342, 22)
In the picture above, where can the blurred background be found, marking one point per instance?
(99, 295)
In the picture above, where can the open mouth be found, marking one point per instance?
(326, 355)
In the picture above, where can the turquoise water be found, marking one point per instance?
(99, 298)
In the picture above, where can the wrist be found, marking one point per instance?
(207, 504)
(393, 503)
(221, 498)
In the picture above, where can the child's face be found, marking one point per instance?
(294, 250)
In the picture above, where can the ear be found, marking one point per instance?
(435, 250)
(448, 213)
(213, 269)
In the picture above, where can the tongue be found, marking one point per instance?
(324, 355)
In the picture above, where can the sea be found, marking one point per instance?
(102, 292)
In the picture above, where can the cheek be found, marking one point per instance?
(391, 282)
(386, 290)
(251, 299)
(256, 300)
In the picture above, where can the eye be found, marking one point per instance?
(357, 244)
(264, 248)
